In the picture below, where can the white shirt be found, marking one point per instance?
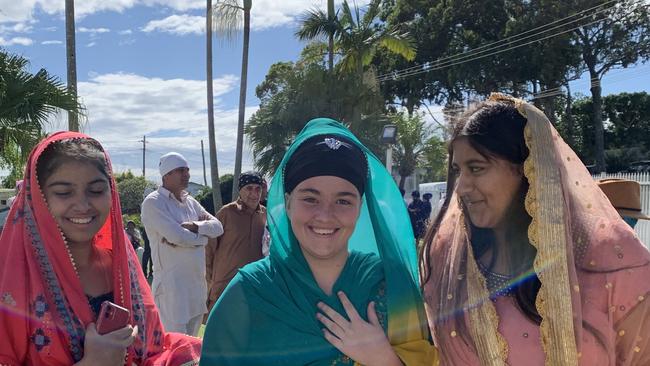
(178, 255)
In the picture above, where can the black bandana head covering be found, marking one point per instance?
(332, 155)
(250, 178)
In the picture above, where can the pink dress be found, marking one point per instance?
(594, 271)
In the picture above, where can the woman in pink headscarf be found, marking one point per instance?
(62, 253)
(528, 263)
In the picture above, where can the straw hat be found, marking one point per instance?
(625, 196)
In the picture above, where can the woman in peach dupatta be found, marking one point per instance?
(528, 263)
(49, 292)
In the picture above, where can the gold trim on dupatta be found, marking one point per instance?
(547, 233)
(491, 347)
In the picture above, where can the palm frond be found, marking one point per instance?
(27, 103)
(348, 63)
(368, 54)
(347, 17)
(371, 14)
(227, 18)
(400, 44)
(314, 23)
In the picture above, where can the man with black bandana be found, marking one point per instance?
(243, 223)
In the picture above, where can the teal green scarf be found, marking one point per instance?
(267, 314)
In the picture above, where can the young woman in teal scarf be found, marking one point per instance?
(340, 284)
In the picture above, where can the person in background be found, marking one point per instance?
(63, 253)
(625, 196)
(243, 223)
(416, 213)
(135, 238)
(133, 234)
(265, 193)
(178, 228)
(426, 204)
(146, 257)
(17, 187)
(266, 238)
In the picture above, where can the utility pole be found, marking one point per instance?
(144, 149)
(212, 143)
(205, 177)
(71, 60)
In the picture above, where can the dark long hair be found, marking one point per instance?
(496, 131)
(75, 149)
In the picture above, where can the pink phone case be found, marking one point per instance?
(112, 317)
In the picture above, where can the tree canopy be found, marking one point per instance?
(294, 93)
(131, 189)
(626, 124)
(27, 102)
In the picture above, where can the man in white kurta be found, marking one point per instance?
(178, 228)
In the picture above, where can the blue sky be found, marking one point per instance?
(141, 70)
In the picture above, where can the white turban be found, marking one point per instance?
(171, 161)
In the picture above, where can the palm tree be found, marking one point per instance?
(71, 57)
(331, 15)
(315, 23)
(27, 101)
(214, 166)
(412, 142)
(360, 37)
(228, 18)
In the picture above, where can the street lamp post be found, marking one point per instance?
(389, 137)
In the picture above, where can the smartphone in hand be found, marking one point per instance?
(112, 317)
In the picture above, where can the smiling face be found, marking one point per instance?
(251, 194)
(323, 212)
(79, 198)
(487, 187)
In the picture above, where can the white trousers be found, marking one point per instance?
(190, 328)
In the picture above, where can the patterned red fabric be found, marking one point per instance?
(43, 308)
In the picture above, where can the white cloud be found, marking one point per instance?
(125, 32)
(93, 31)
(22, 27)
(265, 13)
(177, 24)
(52, 42)
(22, 10)
(121, 108)
(272, 13)
(91, 44)
(126, 42)
(16, 41)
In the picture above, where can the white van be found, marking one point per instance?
(438, 191)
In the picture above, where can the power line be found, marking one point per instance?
(514, 37)
(462, 61)
(611, 79)
(476, 54)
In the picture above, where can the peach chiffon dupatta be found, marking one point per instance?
(574, 229)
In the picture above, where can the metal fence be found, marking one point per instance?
(643, 226)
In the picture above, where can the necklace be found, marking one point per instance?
(497, 284)
(102, 264)
(67, 248)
